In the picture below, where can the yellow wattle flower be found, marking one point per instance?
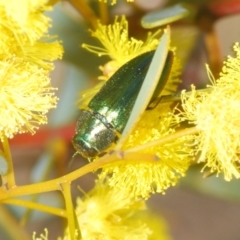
(216, 116)
(168, 162)
(109, 214)
(23, 22)
(118, 45)
(24, 32)
(41, 53)
(26, 57)
(25, 95)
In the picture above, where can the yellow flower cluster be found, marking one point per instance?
(23, 32)
(117, 44)
(169, 161)
(25, 55)
(216, 116)
(109, 214)
(25, 96)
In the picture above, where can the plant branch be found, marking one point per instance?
(104, 16)
(28, 204)
(72, 220)
(56, 184)
(167, 139)
(85, 11)
(129, 155)
(10, 174)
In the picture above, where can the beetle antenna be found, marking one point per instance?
(72, 159)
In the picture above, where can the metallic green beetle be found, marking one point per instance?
(101, 125)
(112, 112)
